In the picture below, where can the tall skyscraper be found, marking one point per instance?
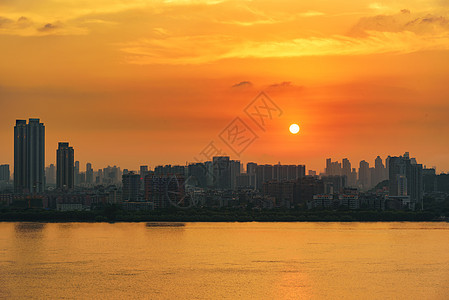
(364, 175)
(165, 190)
(352, 180)
(251, 171)
(222, 172)
(346, 170)
(379, 170)
(404, 171)
(333, 168)
(76, 173)
(111, 175)
(234, 170)
(131, 186)
(143, 172)
(20, 157)
(50, 174)
(251, 168)
(64, 166)
(29, 156)
(197, 173)
(89, 174)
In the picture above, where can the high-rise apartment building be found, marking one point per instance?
(221, 172)
(89, 174)
(379, 171)
(234, 170)
(21, 174)
(346, 168)
(50, 174)
(405, 172)
(197, 173)
(65, 166)
(251, 168)
(29, 156)
(364, 175)
(165, 190)
(143, 172)
(76, 173)
(333, 168)
(131, 186)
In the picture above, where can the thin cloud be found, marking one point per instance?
(48, 27)
(243, 84)
(203, 49)
(24, 26)
(312, 13)
(403, 21)
(284, 84)
(403, 32)
(5, 21)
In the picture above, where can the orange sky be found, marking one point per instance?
(152, 82)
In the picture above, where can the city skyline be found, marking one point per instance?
(219, 171)
(224, 149)
(400, 183)
(403, 175)
(195, 160)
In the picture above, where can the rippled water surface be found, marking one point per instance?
(224, 260)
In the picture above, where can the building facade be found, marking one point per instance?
(131, 187)
(65, 172)
(406, 179)
(29, 156)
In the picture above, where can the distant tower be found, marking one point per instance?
(20, 156)
(29, 156)
(222, 172)
(346, 167)
(36, 155)
(251, 168)
(346, 171)
(89, 174)
(76, 173)
(364, 175)
(235, 169)
(64, 166)
(131, 186)
(379, 171)
(405, 172)
(143, 173)
(50, 174)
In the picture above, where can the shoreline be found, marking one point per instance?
(219, 216)
(174, 222)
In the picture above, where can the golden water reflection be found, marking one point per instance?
(224, 260)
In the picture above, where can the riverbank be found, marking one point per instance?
(112, 214)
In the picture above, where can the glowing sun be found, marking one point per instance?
(294, 128)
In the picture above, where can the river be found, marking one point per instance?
(224, 260)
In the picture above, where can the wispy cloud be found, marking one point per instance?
(204, 48)
(378, 6)
(419, 23)
(243, 84)
(24, 26)
(311, 13)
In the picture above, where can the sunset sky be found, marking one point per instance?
(134, 82)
